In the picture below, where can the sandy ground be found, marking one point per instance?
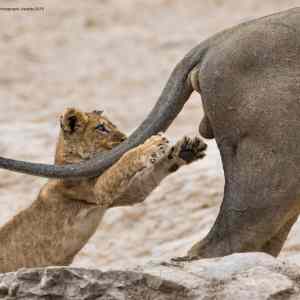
(115, 56)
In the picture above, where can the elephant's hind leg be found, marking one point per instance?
(245, 231)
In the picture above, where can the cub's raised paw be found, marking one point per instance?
(188, 149)
(154, 149)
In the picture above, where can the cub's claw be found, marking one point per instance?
(183, 152)
(192, 149)
(188, 149)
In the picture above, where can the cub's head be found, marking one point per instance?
(82, 135)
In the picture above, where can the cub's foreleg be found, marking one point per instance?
(115, 181)
(185, 151)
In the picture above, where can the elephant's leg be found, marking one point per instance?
(259, 206)
(275, 244)
(245, 231)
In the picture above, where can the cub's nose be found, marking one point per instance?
(119, 136)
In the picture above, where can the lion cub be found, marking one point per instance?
(67, 212)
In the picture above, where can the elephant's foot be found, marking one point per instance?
(275, 244)
(246, 232)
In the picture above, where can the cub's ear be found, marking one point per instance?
(73, 120)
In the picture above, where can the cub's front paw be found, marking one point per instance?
(188, 150)
(154, 149)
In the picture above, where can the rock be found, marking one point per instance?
(254, 276)
(76, 283)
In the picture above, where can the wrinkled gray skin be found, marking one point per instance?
(249, 81)
(250, 87)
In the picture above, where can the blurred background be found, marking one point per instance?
(115, 56)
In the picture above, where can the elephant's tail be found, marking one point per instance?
(173, 97)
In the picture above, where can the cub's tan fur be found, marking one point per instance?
(66, 213)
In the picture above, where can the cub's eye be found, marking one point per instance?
(102, 128)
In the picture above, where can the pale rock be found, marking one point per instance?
(246, 276)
